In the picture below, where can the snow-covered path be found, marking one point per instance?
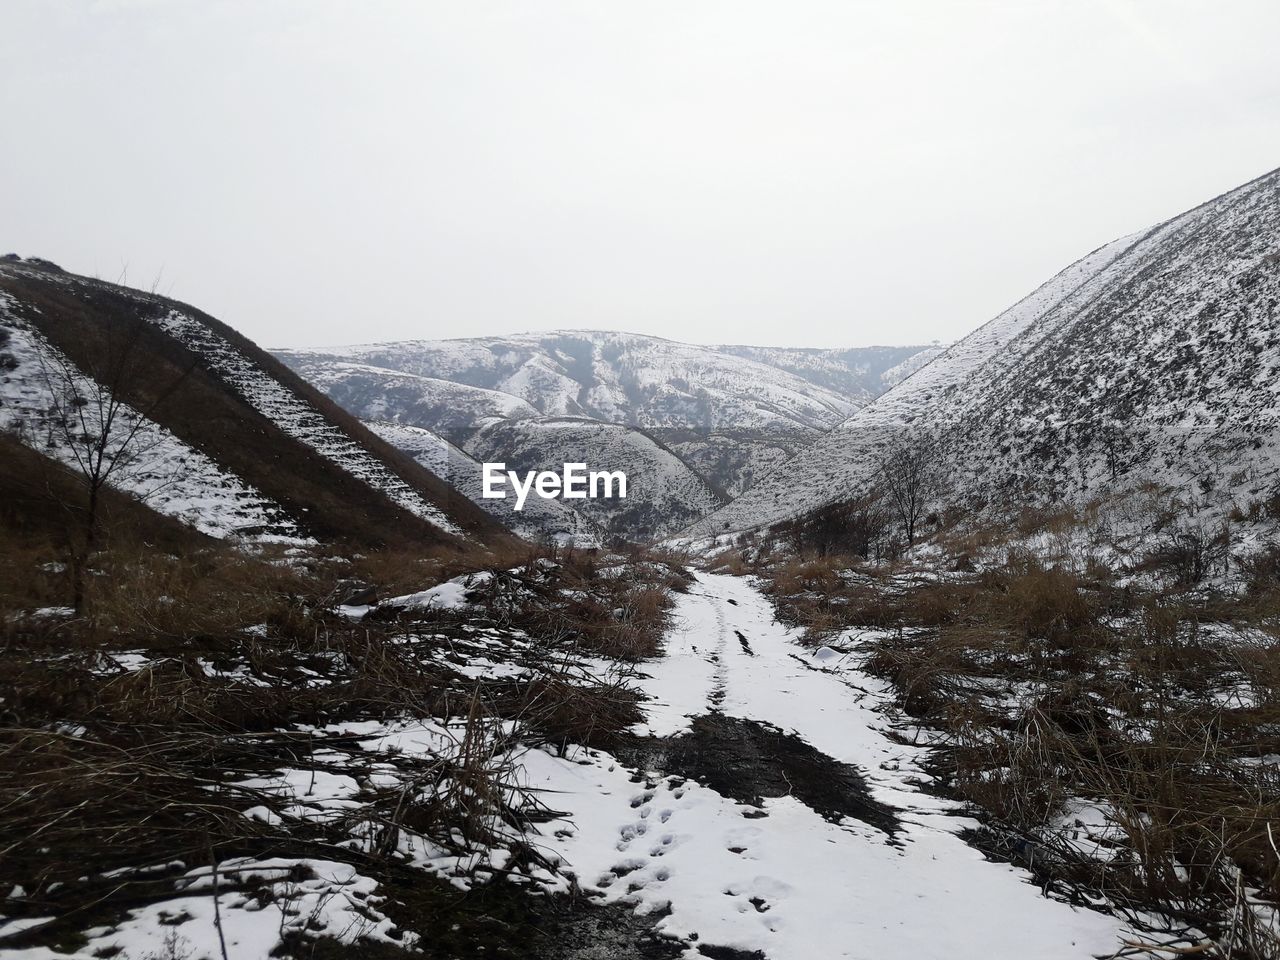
(788, 882)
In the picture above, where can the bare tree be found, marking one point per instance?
(909, 480)
(103, 436)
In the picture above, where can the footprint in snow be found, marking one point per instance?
(624, 867)
(662, 846)
(629, 833)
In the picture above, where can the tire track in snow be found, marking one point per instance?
(683, 682)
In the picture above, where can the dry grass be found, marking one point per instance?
(110, 771)
(579, 599)
(1178, 771)
(31, 578)
(104, 768)
(819, 594)
(730, 561)
(206, 593)
(559, 712)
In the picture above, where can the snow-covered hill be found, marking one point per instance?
(663, 493)
(200, 423)
(730, 460)
(1155, 358)
(154, 465)
(377, 393)
(728, 414)
(859, 372)
(296, 417)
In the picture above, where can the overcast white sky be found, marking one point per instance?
(792, 173)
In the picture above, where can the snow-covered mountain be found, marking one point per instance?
(377, 393)
(200, 424)
(1153, 359)
(624, 378)
(701, 423)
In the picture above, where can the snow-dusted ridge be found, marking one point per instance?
(167, 474)
(296, 417)
(451, 463)
(614, 377)
(241, 410)
(663, 493)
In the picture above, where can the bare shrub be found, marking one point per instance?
(1046, 604)
(562, 712)
(1190, 554)
(730, 561)
(854, 529)
(89, 419)
(1262, 570)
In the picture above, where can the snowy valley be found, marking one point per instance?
(888, 653)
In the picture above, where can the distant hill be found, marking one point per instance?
(701, 422)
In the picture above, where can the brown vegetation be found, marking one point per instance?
(127, 731)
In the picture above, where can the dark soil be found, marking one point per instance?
(748, 761)
(729, 953)
(500, 920)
